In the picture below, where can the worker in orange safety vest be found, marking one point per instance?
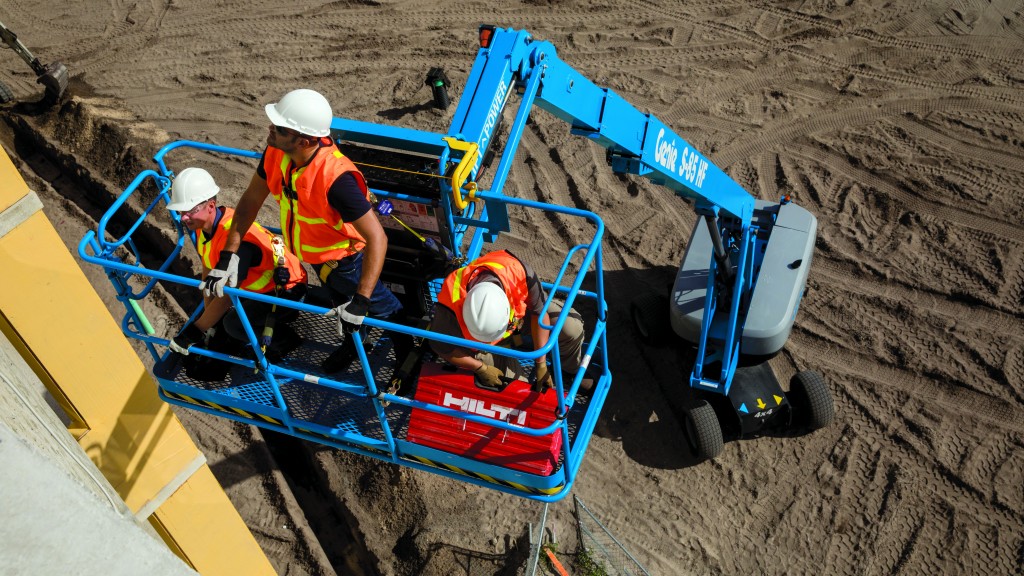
(327, 218)
(492, 299)
(193, 196)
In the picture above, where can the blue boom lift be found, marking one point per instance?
(444, 207)
(745, 270)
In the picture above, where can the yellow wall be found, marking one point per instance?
(62, 328)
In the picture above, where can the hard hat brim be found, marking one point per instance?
(275, 117)
(178, 207)
(487, 338)
(278, 120)
(184, 207)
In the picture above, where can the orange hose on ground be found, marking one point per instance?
(554, 562)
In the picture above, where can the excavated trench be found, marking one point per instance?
(88, 160)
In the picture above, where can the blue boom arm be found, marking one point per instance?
(512, 61)
(637, 143)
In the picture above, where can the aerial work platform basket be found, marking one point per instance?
(358, 409)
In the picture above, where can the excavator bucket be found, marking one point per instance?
(55, 80)
(53, 77)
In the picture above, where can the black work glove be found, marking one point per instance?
(189, 336)
(489, 376)
(225, 274)
(350, 314)
(281, 276)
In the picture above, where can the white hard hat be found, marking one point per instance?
(486, 311)
(191, 186)
(303, 110)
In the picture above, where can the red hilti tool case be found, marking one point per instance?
(516, 404)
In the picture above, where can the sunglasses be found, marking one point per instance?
(282, 131)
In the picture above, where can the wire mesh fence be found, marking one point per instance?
(600, 553)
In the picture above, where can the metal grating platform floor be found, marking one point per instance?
(341, 415)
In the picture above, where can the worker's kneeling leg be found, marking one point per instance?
(570, 339)
(255, 312)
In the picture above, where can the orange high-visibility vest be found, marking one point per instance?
(312, 229)
(508, 269)
(259, 278)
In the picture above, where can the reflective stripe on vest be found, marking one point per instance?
(457, 287)
(513, 281)
(313, 230)
(259, 278)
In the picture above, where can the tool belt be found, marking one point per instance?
(327, 267)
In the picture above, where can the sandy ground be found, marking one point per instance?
(898, 123)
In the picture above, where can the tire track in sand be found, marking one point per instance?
(829, 271)
(956, 399)
(979, 222)
(1007, 95)
(935, 478)
(1003, 51)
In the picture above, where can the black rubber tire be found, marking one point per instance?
(650, 318)
(703, 431)
(812, 400)
(5, 94)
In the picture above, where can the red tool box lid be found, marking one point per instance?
(516, 404)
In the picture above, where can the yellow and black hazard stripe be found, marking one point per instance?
(317, 434)
(489, 479)
(336, 441)
(222, 408)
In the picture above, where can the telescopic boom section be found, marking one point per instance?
(637, 143)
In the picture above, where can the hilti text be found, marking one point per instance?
(481, 408)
